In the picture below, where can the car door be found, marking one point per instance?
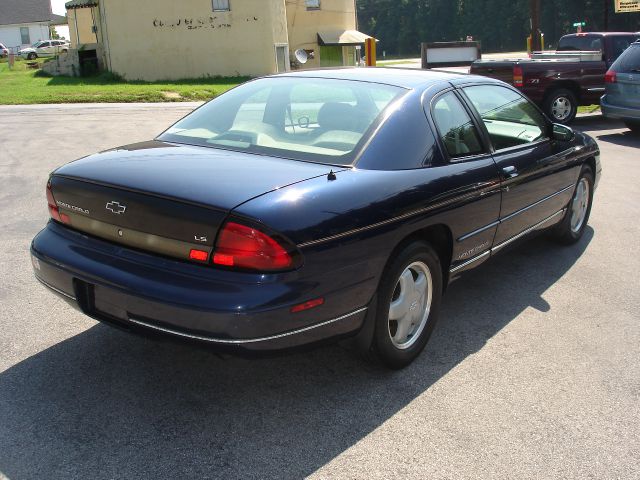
(537, 179)
(469, 172)
(44, 49)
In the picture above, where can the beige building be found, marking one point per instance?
(171, 40)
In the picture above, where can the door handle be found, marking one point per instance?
(509, 172)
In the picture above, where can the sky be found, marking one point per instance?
(57, 6)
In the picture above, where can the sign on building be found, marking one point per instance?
(625, 6)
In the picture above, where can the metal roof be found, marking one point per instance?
(58, 19)
(14, 12)
(73, 4)
(341, 37)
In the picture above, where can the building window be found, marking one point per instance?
(24, 35)
(221, 6)
(312, 4)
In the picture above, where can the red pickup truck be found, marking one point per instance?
(560, 81)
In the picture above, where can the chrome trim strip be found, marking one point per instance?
(515, 214)
(57, 290)
(478, 231)
(596, 89)
(469, 262)
(480, 193)
(507, 242)
(528, 230)
(242, 342)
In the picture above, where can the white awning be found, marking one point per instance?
(341, 37)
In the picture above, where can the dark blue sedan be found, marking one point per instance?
(311, 206)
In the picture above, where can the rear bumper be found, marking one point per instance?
(149, 294)
(618, 112)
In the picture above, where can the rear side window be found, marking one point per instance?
(455, 127)
(511, 119)
(629, 61)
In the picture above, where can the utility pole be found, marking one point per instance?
(536, 43)
(606, 15)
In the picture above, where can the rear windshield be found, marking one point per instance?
(629, 61)
(310, 119)
(582, 43)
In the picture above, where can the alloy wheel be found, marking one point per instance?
(410, 305)
(579, 205)
(561, 108)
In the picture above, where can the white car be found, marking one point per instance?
(44, 48)
(4, 51)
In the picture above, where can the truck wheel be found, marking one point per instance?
(561, 106)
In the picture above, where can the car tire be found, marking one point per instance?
(561, 106)
(32, 56)
(571, 229)
(633, 126)
(411, 290)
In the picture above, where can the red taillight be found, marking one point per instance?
(244, 247)
(53, 206)
(198, 255)
(610, 77)
(518, 76)
(307, 305)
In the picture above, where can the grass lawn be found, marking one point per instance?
(386, 63)
(21, 86)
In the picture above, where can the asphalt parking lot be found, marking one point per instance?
(533, 371)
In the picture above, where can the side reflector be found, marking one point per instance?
(199, 255)
(307, 305)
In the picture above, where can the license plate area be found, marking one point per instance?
(108, 302)
(97, 302)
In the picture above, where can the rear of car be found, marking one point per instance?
(622, 95)
(4, 51)
(153, 236)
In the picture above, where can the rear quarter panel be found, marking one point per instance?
(347, 229)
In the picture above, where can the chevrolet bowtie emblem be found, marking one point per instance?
(116, 208)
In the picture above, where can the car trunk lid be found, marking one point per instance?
(165, 198)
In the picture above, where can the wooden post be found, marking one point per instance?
(370, 51)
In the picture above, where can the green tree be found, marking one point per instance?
(501, 25)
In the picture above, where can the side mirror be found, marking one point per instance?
(563, 133)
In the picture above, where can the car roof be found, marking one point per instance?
(399, 77)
